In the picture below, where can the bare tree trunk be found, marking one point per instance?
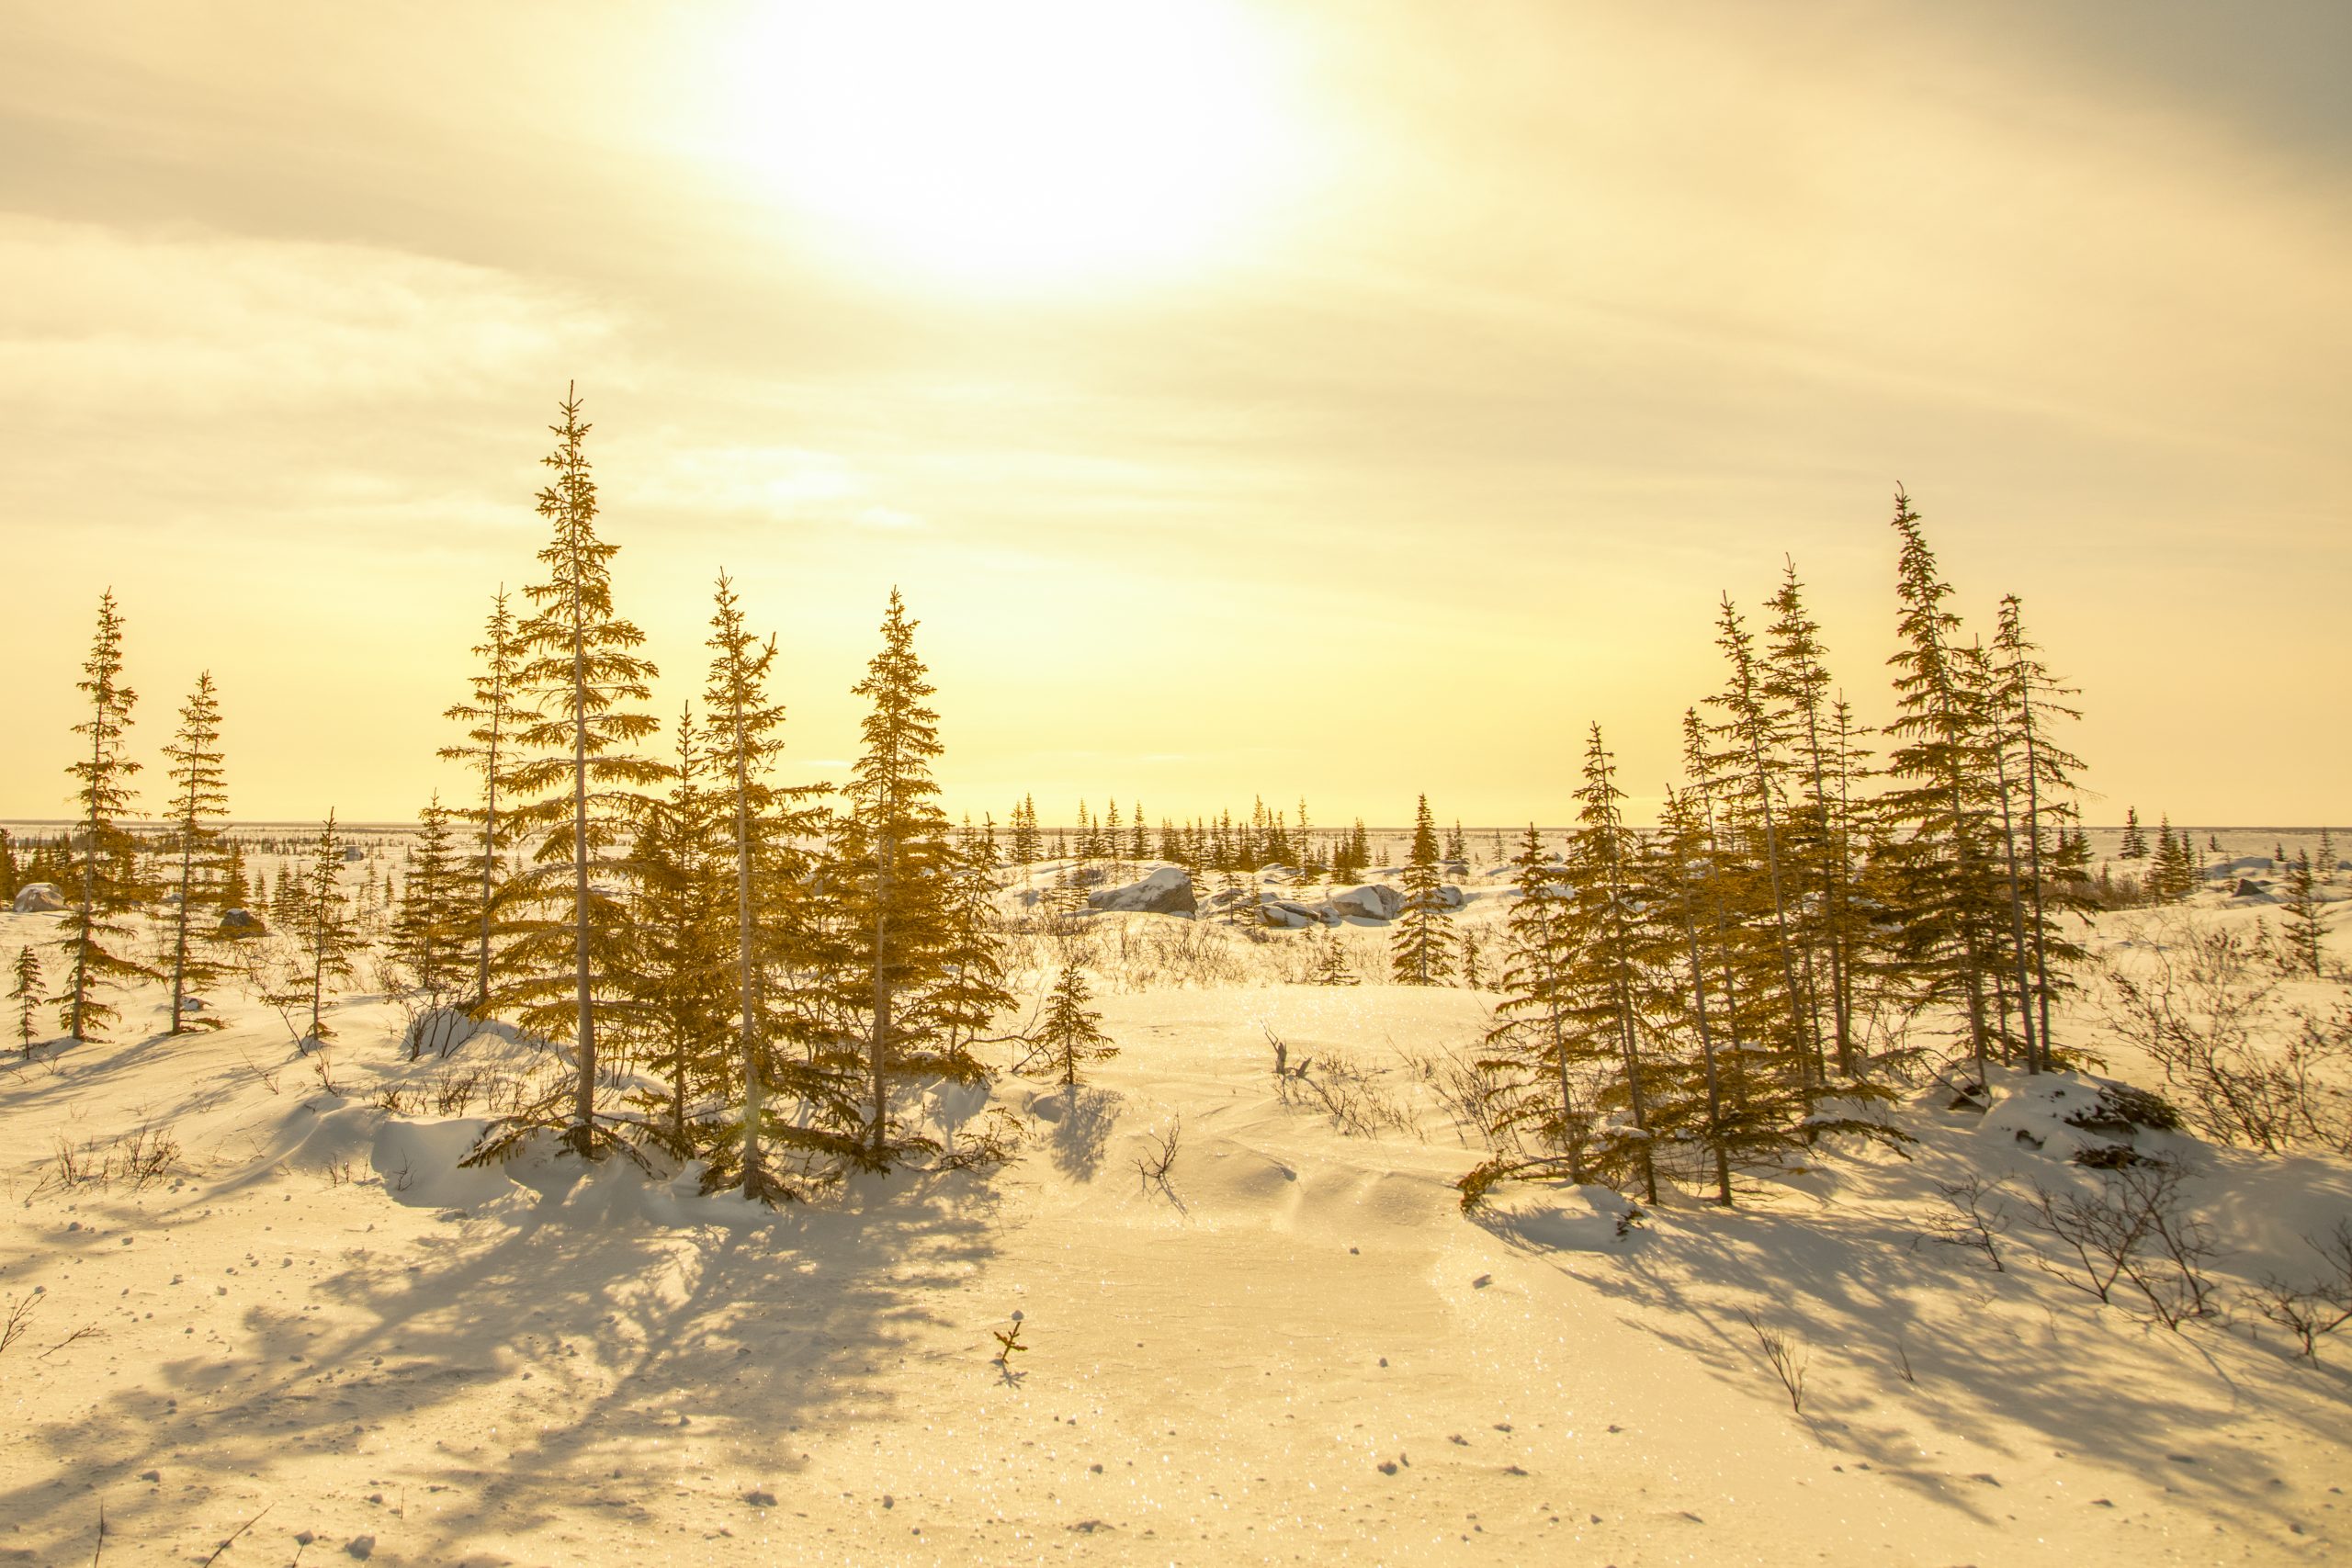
(583, 1106)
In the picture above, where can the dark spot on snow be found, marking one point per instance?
(760, 1499)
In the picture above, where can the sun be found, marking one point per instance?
(1019, 142)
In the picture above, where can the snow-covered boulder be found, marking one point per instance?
(1373, 901)
(353, 851)
(1449, 896)
(241, 922)
(2249, 889)
(1167, 891)
(40, 899)
(1289, 915)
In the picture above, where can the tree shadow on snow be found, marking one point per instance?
(694, 1353)
(1083, 1119)
(1990, 1357)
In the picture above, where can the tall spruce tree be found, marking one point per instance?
(2031, 702)
(495, 720)
(894, 862)
(1752, 769)
(764, 828)
(327, 940)
(1944, 796)
(676, 984)
(1422, 952)
(106, 883)
(12, 877)
(1600, 868)
(580, 674)
(1542, 1048)
(199, 799)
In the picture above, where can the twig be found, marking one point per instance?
(232, 1539)
(85, 1331)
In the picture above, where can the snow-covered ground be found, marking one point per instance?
(1296, 1349)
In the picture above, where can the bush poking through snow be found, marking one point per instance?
(1981, 1221)
(2135, 1232)
(2203, 1007)
(1786, 1356)
(2310, 1311)
(1153, 1165)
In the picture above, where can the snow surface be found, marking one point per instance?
(1299, 1349)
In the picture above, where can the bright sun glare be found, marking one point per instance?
(1017, 142)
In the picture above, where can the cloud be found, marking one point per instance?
(205, 322)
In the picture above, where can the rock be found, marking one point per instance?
(2248, 888)
(1167, 891)
(363, 1547)
(1449, 896)
(1375, 901)
(1284, 913)
(241, 922)
(759, 1499)
(353, 851)
(40, 899)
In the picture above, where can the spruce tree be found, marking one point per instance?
(764, 828)
(1825, 838)
(1944, 797)
(2030, 701)
(328, 943)
(892, 855)
(1331, 962)
(1599, 869)
(235, 892)
(200, 798)
(1421, 953)
(1754, 733)
(580, 674)
(106, 885)
(2135, 844)
(25, 991)
(430, 930)
(12, 878)
(676, 984)
(1541, 1047)
(2305, 924)
(1070, 1034)
(496, 720)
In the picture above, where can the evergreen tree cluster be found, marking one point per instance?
(1724, 990)
(791, 964)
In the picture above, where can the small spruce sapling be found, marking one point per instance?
(25, 992)
(1071, 1034)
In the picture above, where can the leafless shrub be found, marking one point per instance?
(323, 1067)
(1980, 1219)
(148, 1155)
(1152, 1168)
(399, 1099)
(2309, 1310)
(994, 1141)
(1475, 1095)
(268, 1076)
(20, 1312)
(453, 1091)
(2133, 1232)
(2204, 1007)
(338, 1172)
(1358, 1105)
(1786, 1356)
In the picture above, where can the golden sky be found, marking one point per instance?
(1348, 399)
